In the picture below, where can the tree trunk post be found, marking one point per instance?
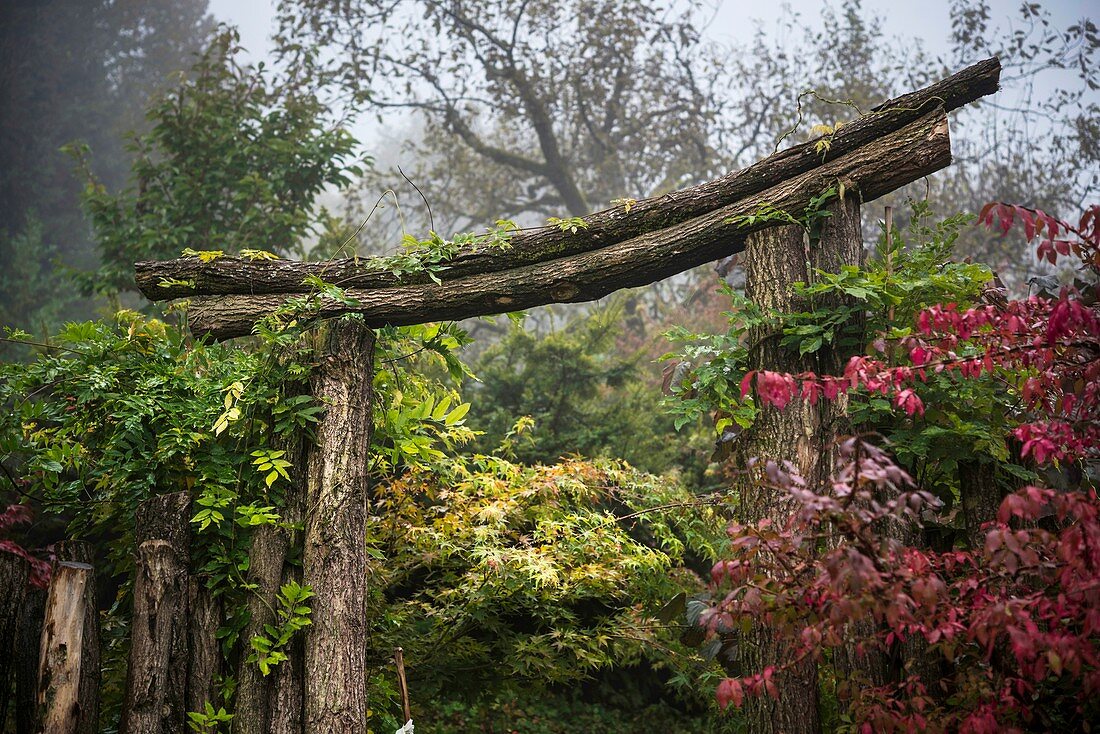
(28, 645)
(287, 696)
(59, 673)
(266, 554)
(205, 655)
(80, 551)
(14, 571)
(802, 433)
(334, 559)
(156, 679)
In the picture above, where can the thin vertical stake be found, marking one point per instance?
(890, 268)
(399, 658)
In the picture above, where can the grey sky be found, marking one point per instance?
(733, 21)
(924, 19)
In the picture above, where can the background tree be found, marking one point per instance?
(73, 71)
(528, 107)
(539, 109)
(585, 397)
(233, 162)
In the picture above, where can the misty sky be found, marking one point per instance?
(733, 21)
(924, 19)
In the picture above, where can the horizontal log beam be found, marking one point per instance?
(870, 171)
(234, 276)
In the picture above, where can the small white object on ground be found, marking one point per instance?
(406, 729)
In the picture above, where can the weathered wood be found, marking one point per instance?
(60, 659)
(775, 259)
(88, 722)
(288, 694)
(14, 571)
(204, 613)
(28, 645)
(288, 698)
(802, 433)
(266, 554)
(226, 276)
(902, 157)
(334, 557)
(156, 678)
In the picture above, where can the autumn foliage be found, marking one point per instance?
(1001, 636)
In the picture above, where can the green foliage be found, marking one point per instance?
(430, 255)
(116, 413)
(964, 421)
(24, 279)
(880, 299)
(621, 708)
(419, 416)
(570, 224)
(489, 571)
(809, 219)
(233, 162)
(269, 649)
(584, 396)
(209, 721)
(113, 414)
(709, 382)
(917, 277)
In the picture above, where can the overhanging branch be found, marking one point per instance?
(604, 228)
(885, 164)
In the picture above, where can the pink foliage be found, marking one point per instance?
(1015, 622)
(13, 515)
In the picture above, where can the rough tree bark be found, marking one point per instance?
(981, 498)
(266, 555)
(88, 723)
(28, 639)
(163, 280)
(14, 571)
(287, 699)
(334, 557)
(205, 656)
(256, 711)
(60, 661)
(881, 166)
(156, 678)
(801, 433)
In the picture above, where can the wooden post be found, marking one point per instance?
(801, 433)
(890, 271)
(402, 683)
(28, 644)
(14, 571)
(205, 655)
(80, 551)
(156, 679)
(287, 698)
(334, 556)
(59, 671)
(257, 710)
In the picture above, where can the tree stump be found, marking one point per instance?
(60, 661)
(156, 678)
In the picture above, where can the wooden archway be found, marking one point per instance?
(899, 142)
